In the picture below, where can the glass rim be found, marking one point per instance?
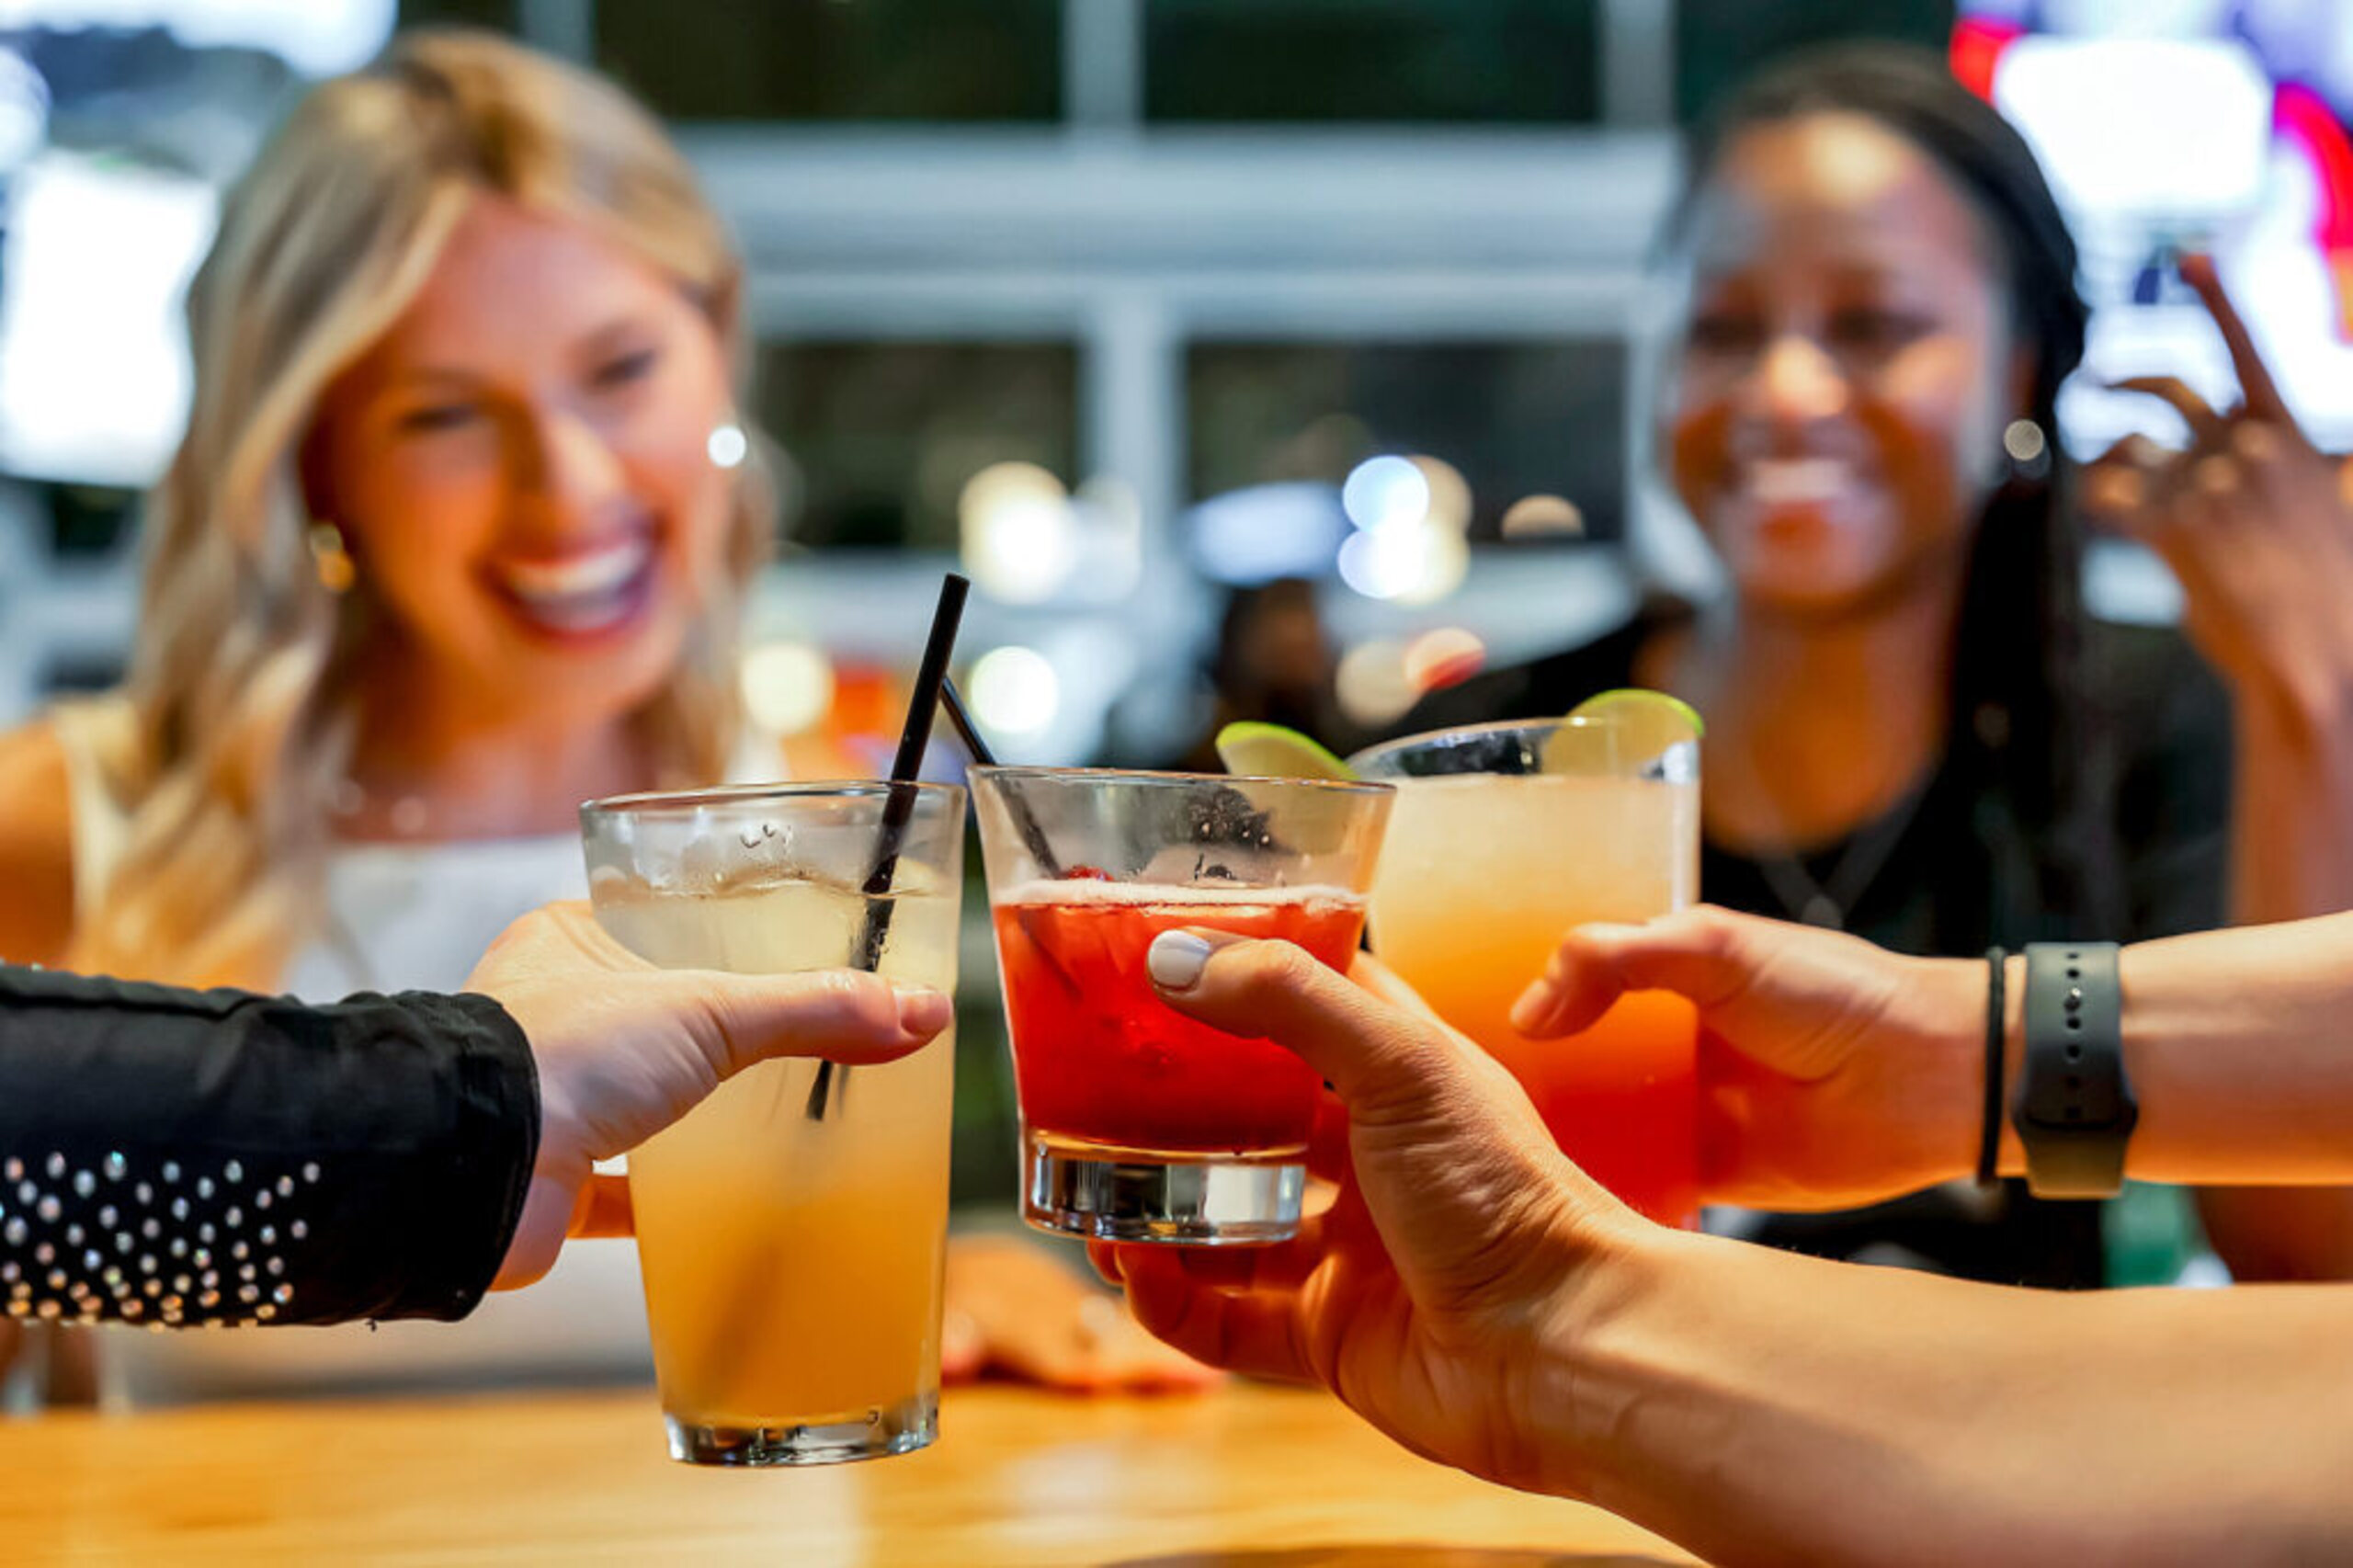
(653, 801)
(1171, 779)
(1493, 727)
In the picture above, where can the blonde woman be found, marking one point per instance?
(449, 547)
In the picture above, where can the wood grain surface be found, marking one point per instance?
(1243, 1478)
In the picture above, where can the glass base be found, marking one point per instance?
(1126, 1194)
(901, 1428)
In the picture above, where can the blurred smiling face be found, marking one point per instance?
(1846, 370)
(522, 468)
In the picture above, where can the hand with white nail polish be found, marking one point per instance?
(1423, 1295)
(1475, 1296)
(1832, 1073)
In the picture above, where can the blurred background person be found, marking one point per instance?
(1273, 663)
(1916, 729)
(456, 538)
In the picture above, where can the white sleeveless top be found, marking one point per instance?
(399, 917)
(417, 916)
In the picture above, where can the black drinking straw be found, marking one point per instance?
(960, 719)
(923, 706)
(1033, 837)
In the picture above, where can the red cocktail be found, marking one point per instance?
(1137, 1122)
(1099, 1059)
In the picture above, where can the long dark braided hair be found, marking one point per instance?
(2021, 714)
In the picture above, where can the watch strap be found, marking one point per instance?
(2074, 1109)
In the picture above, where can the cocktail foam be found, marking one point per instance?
(1070, 890)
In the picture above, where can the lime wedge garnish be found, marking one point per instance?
(1651, 714)
(1612, 730)
(1255, 750)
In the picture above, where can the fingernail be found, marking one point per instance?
(1607, 931)
(1535, 1005)
(1175, 960)
(922, 1010)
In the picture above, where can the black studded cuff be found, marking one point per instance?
(172, 1158)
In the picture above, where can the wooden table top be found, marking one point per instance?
(1242, 1478)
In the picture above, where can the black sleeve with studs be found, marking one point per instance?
(178, 1158)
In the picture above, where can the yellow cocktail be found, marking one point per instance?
(1502, 838)
(792, 1239)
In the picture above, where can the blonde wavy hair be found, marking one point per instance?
(239, 712)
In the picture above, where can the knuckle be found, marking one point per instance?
(853, 998)
(2215, 474)
(1711, 930)
(1280, 966)
(1569, 955)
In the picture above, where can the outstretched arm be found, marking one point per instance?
(1481, 1301)
(1832, 1071)
(180, 1156)
(1759, 1406)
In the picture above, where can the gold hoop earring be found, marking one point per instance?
(332, 562)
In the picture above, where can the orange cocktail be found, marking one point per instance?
(1502, 838)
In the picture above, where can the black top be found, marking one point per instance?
(185, 1157)
(1954, 871)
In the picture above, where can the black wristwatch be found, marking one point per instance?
(2074, 1109)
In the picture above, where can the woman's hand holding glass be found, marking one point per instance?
(1463, 1250)
(1482, 1301)
(623, 1049)
(1832, 1073)
(1427, 1295)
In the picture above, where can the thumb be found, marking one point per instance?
(1451, 1160)
(1375, 1057)
(845, 1015)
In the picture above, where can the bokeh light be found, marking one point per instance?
(1411, 514)
(728, 446)
(1019, 530)
(787, 687)
(1370, 682)
(1446, 656)
(1268, 530)
(1420, 562)
(1449, 493)
(1538, 516)
(1385, 492)
(1015, 690)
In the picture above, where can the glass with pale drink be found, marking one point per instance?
(1138, 1123)
(791, 1228)
(1505, 836)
